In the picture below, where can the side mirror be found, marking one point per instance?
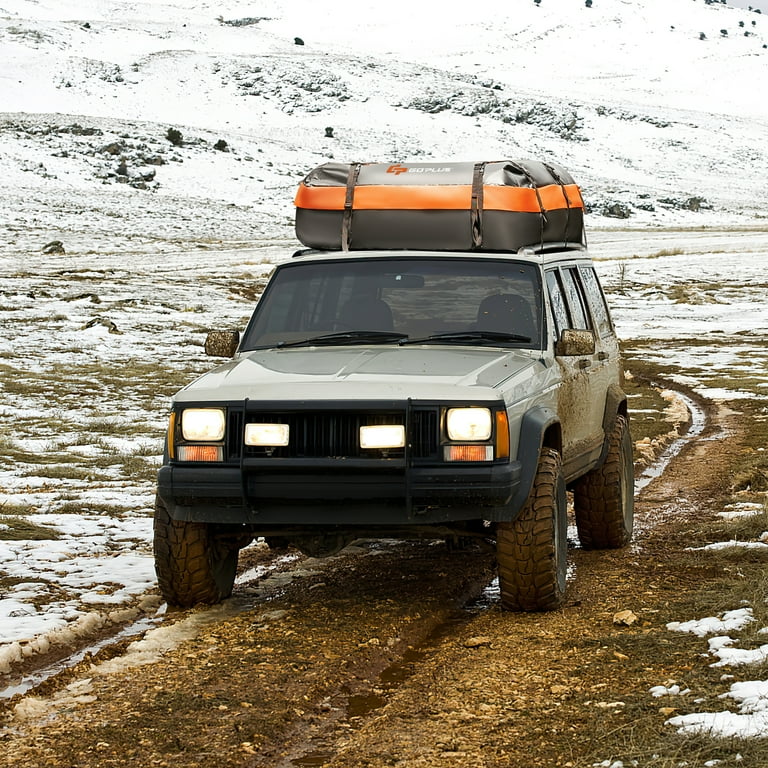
(222, 343)
(575, 342)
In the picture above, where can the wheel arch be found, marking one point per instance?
(615, 405)
(539, 428)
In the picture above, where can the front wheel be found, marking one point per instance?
(191, 565)
(532, 551)
(603, 499)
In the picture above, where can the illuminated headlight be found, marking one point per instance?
(469, 424)
(202, 424)
(382, 436)
(268, 435)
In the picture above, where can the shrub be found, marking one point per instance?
(175, 137)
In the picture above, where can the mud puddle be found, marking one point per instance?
(696, 427)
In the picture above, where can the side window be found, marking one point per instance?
(596, 300)
(575, 299)
(557, 301)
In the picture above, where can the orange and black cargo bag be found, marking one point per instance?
(487, 206)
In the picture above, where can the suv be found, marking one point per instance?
(407, 394)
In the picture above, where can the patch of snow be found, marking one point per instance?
(731, 620)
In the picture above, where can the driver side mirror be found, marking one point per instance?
(222, 343)
(574, 342)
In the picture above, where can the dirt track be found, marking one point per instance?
(374, 659)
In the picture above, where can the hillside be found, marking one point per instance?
(649, 104)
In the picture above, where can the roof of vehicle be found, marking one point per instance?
(546, 253)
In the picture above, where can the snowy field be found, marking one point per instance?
(94, 345)
(162, 241)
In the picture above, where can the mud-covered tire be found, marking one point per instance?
(191, 566)
(532, 551)
(603, 499)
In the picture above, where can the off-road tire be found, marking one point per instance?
(192, 567)
(532, 551)
(603, 499)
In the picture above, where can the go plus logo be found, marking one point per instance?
(398, 169)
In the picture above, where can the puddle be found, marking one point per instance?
(698, 422)
(360, 706)
(39, 676)
(313, 759)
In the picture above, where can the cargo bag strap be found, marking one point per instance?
(542, 210)
(346, 220)
(559, 180)
(476, 210)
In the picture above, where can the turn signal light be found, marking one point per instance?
(468, 453)
(200, 452)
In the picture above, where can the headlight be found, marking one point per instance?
(203, 424)
(382, 436)
(469, 423)
(270, 435)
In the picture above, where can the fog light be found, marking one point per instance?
(382, 436)
(267, 435)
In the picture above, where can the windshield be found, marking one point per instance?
(450, 300)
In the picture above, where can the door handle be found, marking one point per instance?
(583, 363)
(602, 355)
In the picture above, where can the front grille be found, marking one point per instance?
(334, 433)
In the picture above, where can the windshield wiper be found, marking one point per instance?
(459, 337)
(345, 337)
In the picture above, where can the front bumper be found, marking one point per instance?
(338, 492)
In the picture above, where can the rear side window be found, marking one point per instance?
(575, 298)
(596, 300)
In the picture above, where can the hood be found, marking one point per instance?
(361, 373)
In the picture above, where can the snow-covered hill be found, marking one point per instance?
(656, 106)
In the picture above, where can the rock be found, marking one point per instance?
(55, 246)
(108, 324)
(617, 211)
(477, 642)
(624, 618)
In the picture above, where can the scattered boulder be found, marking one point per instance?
(54, 247)
(617, 211)
(103, 321)
(298, 41)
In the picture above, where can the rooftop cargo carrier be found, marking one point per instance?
(486, 206)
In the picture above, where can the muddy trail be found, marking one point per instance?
(392, 654)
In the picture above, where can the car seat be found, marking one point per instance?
(366, 313)
(506, 313)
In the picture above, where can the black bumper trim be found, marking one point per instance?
(348, 495)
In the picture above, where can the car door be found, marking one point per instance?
(581, 400)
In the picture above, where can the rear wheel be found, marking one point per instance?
(191, 565)
(603, 499)
(532, 551)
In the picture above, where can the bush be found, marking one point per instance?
(175, 137)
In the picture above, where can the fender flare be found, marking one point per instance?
(615, 405)
(533, 429)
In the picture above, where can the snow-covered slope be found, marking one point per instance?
(658, 114)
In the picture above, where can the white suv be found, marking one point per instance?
(451, 395)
